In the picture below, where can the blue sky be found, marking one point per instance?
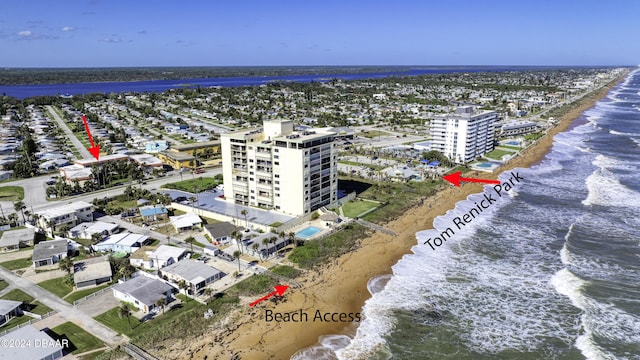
(37, 33)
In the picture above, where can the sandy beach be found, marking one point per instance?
(342, 285)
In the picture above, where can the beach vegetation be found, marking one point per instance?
(286, 271)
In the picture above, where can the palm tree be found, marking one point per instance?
(238, 238)
(20, 206)
(265, 242)
(236, 254)
(244, 212)
(96, 237)
(66, 265)
(125, 310)
(255, 247)
(183, 286)
(190, 241)
(160, 303)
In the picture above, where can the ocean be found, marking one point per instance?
(551, 270)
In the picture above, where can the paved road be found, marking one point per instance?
(74, 140)
(152, 185)
(63, 308)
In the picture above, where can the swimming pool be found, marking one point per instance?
(307, 232)
(514, 143)
(485, 165)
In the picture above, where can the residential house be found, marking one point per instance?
(152, 258)
(153, 212)
(186, 222)
(143, 292)
(43, 346)
(49, 252)
(221, 232)
(123, 242)
(92, 272)
(9, 309)
(196, 274)
(86, 230)
(15, 239)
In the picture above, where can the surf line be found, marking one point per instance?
(462, 221)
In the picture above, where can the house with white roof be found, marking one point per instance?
(185, 222)
(150, 258)
(43, 347)
(49, 252)
(15, 239)
(123, 242)
(9, 309)
(86, 230)
(196, 274)
(68, 215)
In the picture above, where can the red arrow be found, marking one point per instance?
(280, 289)
(94, 150)
(455, 179)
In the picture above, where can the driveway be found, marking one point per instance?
(64, 309)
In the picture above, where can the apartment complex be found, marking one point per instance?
(68, 215)
(464, 135)
(275, 167)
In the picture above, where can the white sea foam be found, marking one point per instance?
(606, 190)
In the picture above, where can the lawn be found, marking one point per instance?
(497, 154)
(29, 304)
(353, 209)
(3, 285)
(77, 295)
(373, 133)
(17, 264)
(56, 286)
(194, 185)
(79, 340)
(121, 325)
(11, 193)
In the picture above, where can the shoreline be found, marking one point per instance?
(341, 286)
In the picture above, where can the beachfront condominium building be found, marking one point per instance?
(464, 135)
(275, 167)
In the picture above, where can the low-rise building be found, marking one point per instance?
(221, 232)
(123, 242)
(92, 272)
(514, 128)
(65, 215)
(152, 258)
(15, 239)
(178, 160)
(86, 230)
(186, 222)
(49, 252)
(9, 309)
(143, 292)
(196, 274)
(153, 212)
(48, 348)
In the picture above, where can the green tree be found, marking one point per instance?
(190, 241)
(66, 265)
(125, 311)
(244, 213)
(160, 303)
(236, 254)
(19, 206)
